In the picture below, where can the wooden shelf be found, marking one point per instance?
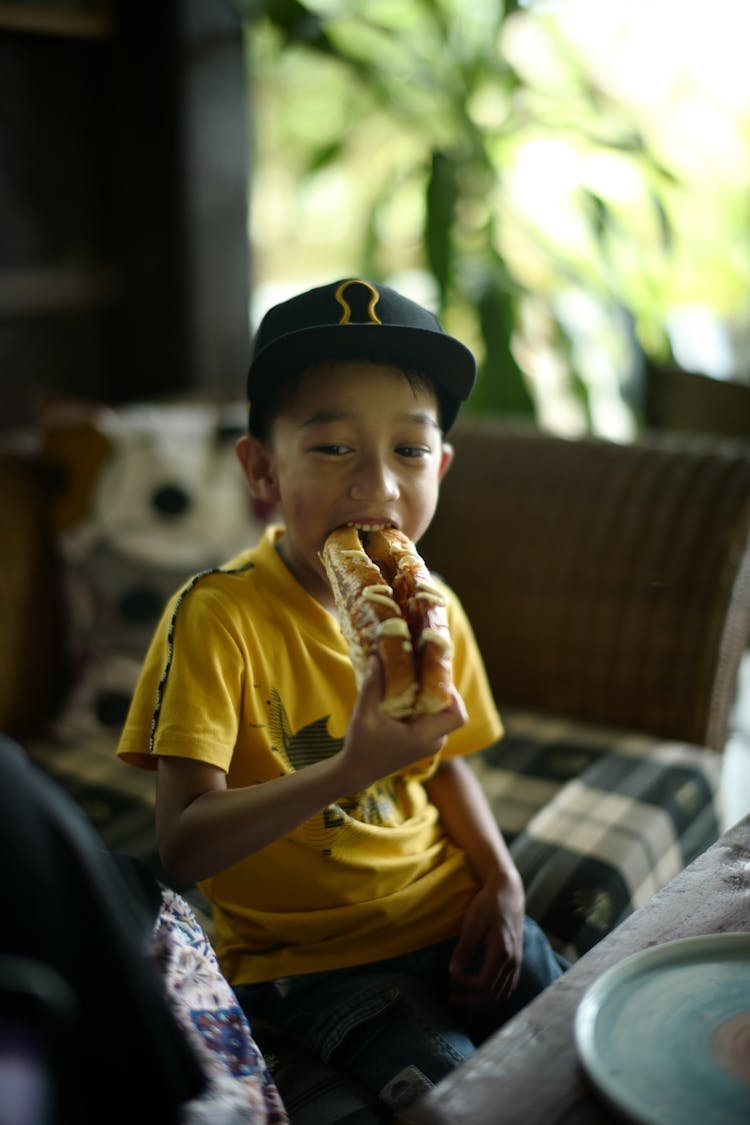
(51, 290)
(90, 21)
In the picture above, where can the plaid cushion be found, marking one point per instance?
(597, 820)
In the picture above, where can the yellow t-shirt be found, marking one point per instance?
(247, 672)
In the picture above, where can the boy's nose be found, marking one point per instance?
(373, 481)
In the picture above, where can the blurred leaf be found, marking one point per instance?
(664, 222)
(440, 215)
(501, 385)
(598, 215)
(297, 23)
(325, 154)
(578, 387)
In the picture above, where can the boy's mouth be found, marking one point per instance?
(371, 525)
(363, 527)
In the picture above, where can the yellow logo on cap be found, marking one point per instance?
(374, 298)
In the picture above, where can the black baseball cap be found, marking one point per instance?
(357, 319)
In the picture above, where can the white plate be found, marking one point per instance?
(665, 1034)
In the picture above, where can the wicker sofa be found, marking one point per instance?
(609, 586)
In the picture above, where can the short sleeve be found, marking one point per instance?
(188, 699)
(484, 724)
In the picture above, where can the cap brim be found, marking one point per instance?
(440, 356)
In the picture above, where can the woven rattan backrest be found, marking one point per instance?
(606, 582)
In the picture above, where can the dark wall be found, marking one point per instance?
(124, 265)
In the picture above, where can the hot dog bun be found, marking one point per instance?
(388, 604)
(424, 607)
(370, 619)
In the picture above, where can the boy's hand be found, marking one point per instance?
(486, 962)
(377, 745)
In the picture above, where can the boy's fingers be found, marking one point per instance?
(373, 671)
(463, 958)
(432, 726)
(440, 723)
(371, 691)
(460, 705)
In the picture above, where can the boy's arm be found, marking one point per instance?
(487, 958)
(203, 827)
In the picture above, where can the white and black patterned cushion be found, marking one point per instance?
(597, 820)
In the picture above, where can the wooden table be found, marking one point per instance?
(529, 1073)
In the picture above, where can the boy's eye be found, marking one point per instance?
(334, 449)
(412, 451)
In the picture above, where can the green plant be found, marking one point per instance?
(428, 107)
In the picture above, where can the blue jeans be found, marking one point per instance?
(389, 1024)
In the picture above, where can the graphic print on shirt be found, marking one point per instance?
(313, 743)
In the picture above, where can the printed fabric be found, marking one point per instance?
(240, 1089)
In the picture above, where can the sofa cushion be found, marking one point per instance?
(597, 819)
(146, 496)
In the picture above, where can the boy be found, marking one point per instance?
(362, 893)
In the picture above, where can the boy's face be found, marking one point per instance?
(356, 444)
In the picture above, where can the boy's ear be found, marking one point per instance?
(256, 462)
(446, 459)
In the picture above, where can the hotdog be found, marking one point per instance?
(388, 604)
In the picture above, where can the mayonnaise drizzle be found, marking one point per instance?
(434, 597)
(436, 638)
(393, 627)
(381, 594)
